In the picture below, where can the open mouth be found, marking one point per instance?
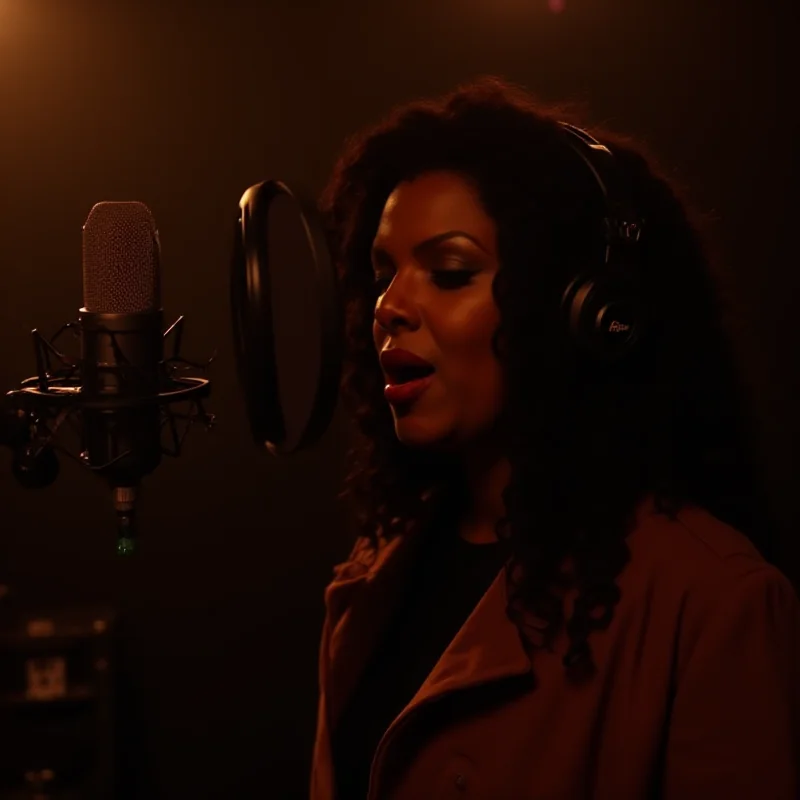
(399, 376)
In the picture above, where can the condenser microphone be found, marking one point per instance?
(122, 348)
(121, 388)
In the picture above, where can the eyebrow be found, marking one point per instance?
(420, 249)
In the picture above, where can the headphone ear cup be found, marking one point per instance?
(573, 304)
(602, 320)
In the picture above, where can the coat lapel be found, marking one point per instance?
(360, 604)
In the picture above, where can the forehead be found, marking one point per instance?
(430, 204)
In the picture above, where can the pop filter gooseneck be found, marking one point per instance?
(272, 253)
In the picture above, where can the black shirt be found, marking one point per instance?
(449, 578)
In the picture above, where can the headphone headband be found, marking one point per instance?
(623, 223)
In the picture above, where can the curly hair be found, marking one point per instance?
(588, 442)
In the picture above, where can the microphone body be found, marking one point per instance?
(121, 356)
(122, 350)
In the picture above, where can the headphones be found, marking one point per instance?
(603, 310)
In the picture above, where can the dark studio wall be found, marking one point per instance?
(183, 106)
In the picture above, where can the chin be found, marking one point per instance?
(417, 435)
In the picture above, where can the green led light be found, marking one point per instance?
(125, 546)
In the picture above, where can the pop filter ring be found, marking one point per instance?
(251, 310)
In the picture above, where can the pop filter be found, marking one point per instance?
(287, 318)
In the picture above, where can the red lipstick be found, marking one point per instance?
(408, 375)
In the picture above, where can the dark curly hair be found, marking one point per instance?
(588, 443)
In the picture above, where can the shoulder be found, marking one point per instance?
(704, 575)
(366, 556)
(727, 624)
(694, 548)
(360, 558)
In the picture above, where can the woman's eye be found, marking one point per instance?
(443, 278)
(452, 278)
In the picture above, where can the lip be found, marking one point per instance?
(395, 358)
(403, 393)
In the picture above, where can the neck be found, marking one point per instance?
(485, 477)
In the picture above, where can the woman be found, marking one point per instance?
(551, 594)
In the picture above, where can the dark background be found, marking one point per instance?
(184, 105)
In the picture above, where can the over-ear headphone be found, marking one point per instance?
(604, 312)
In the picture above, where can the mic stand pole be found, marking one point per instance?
(125, 507)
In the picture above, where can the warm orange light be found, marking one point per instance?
(9, 19)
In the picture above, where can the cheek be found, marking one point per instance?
(486, 384)
(473, 373)
(474, 398)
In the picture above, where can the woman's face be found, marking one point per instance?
(434, 257)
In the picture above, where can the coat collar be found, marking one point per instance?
(360, 603)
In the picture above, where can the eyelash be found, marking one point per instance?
(448, 279)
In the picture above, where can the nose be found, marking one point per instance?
(396, 309)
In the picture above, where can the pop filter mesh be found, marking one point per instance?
(121, 264)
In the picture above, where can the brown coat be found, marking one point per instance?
(697, 693)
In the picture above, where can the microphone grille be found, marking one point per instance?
(121, 259)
